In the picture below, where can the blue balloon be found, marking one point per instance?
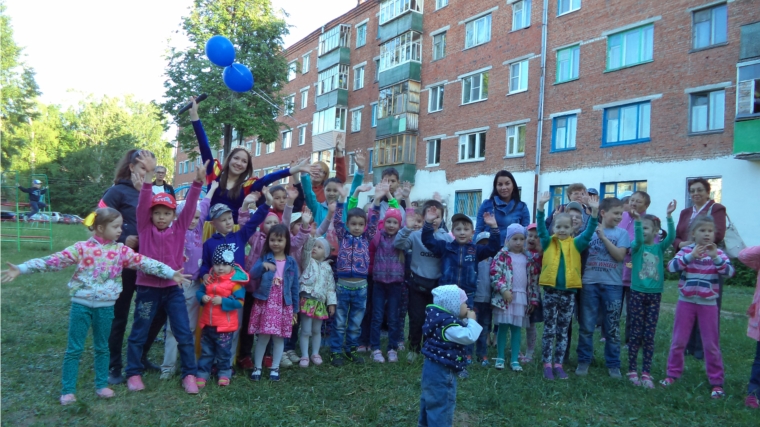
(238, 78)
(220, 51)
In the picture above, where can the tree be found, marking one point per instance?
(18, 91)
(257, 34)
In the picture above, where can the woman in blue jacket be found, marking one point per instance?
(504, 204)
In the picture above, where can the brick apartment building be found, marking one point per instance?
(616, 94)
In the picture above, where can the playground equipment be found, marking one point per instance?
(38, 229)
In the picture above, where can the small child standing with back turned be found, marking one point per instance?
(647, 279)
(221, 298)
(561, 278)
(449, 327)
(94, 288)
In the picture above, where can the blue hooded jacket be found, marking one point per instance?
(237, 238)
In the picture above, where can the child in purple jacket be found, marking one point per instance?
(193, 254)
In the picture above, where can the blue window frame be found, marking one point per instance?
(626, 124)
(374, 115)
(468, 202)
(614, 189)
(564, 129)
(559, 197)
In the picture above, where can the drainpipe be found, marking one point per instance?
(540, 129)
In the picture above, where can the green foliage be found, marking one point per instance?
(257, 34)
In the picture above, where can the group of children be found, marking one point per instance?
(301, 273)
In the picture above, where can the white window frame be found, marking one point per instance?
(305, 63)
(351, 163)
(406, 47)
(439, 46)
(435, 100)
(361, 35)
(374, 115)
(356, 121)
(359, 77)
(338, 36)
(290, 104)
(391, 9)
(304, 98)
(472, 32)
(481, 95)
(568, 5)
(714, 111)
(331, 119)
(513, 137)
(332, 79)
(302, 135)
(479, 141)
(441, 3)
(287, 139)
(435, 146)
(521, 14)
(518, 76)
(292, 70)
(270, 148)
(258, 148)
(370, 160)
(748, 84)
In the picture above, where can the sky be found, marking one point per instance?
(104, 47)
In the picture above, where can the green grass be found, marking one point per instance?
(736, 299)
(35, 317)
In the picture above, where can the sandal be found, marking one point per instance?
(647, 381)
(717, 392)
(223, 381)
(304, 363)
(499, 364)
(515, 366)
(524, 358)
(633, 377)
(667, 382)
(200, 382)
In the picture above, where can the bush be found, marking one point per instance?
(744, 276)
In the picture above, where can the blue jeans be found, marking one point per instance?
(215, 346)
(148, 300)
(35, 207)
(609, 300)
(382, 294)
(348, 318)
(439, 395)
(754, 378)
(483, 315)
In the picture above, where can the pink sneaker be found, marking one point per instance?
(134, 383)
(190, 384)
(392, 356)
(750, 402)
(377, 356)
(304, 363)
(316, 359)
(200, 382)
(68, 399)
(105, 393)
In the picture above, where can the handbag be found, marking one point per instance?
(732, 242)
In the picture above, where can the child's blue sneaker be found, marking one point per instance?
(484, 362)
(469, 360)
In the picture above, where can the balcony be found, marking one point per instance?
(328, 140)
(399, 152)
(400, 123)
(335, 98)
(407, 22)
(335, 38)
(747, 139)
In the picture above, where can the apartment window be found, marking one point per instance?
(478, 31)
(377, 69)
(568, 61)
(302, 135)
(472, 147)
(292, 71)
(710, 26)
(258, 148)
(518, 77)
(290, 104)
(748, 91)
(396, 150)
(351, 164)
(563, 135)
(356, 121)
(566, 6)
(283, 181)
(257, 173)
(520, 15)
(708, 111)
(361, 35)
(439, 46)
(374, 115)
(626, 124)
(329, 120)
(248, 146)
(615, 189)
(398, 99)
(441, 3)
(468, 202)
(435, 102)
(716, 189)
(400, 50)
(287, 139)
(390, 9)
(304, 99)
(516, 141)
(192, 166)
(358, 77)
(434, 152)
(305, 63)
(630, 47)
(334, 38)
(475, 88)
(324, 156)
(333, 78)
(559, 197)
(370, 160)
(270, 147)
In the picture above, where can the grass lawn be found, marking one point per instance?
(34, 327)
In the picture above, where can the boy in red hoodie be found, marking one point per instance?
(221, 297)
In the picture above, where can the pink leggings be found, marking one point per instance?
(707, 315)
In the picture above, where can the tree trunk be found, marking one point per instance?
(227, 141)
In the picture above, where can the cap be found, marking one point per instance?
(218, 210)
(223, 255)
(295, 216)
(574, 205)
(483, 235)
(164, 199)
(593, 191)
(461, 217)
(514, 229)
(36, 181)
(393, 213)
(532, 226)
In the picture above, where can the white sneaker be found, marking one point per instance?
(291, 354)
(377, 356)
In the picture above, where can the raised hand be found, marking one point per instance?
(251, 199)
(544, 199)
(306, 216)
(147, 159)
(200, 173)
(10, 274)
(711, 250)
(431, 214)
(137, 180)
(292, 195)
(213, 187)
(361, 160)
(672, 207)
(269, 197)
(406, 189)
(194, 110)
(585, 198)
(363, 188)
(593, 202)
(381, 189)
(302, 166)
(343, 191)
(490, 220)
